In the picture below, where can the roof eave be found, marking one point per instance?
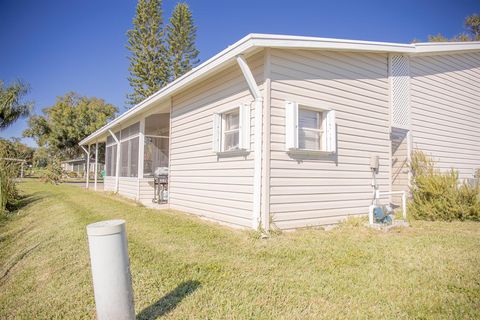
(253, 41)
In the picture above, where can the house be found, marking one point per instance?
(79, 165)
(279, 131)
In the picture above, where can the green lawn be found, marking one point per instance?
(186, 268)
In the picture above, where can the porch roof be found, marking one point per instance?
(254, 42)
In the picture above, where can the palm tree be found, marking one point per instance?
(12, 106)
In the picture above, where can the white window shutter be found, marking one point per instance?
(331, 132)
(217, 131)
(291, 125)
(244, 126)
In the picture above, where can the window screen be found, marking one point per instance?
(157, 124)
(130, 131)
(129, 158)
(231, 135)
(155, 155)
(111, 161)
(309, 129)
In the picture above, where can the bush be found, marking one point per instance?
(438, 195)
(72, 174)
(53, 172)
(8, 190)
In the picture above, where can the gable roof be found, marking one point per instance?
(255, 41)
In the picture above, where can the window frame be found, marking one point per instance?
(244, 127)
(320, 131)
(225, 131)
(328, 129)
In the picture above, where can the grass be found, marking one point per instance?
(186, 268)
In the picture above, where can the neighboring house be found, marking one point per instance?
(281, 129)
(79, 166)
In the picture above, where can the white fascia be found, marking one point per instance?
(257, 170)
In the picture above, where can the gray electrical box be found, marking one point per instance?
(374, 163)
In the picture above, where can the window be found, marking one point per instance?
(155, 154)
(309, 128)
(231, 130)
(129, 141)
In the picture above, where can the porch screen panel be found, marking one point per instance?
(156, 155)
(157, 129)
(129, 151)
(111, 161)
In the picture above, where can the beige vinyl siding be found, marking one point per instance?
(128, 187)
(445, 100)
(218, 188)
(316, 190)
(146, 190)
(109, 183)
(399, 163)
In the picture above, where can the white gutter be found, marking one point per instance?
(257, 169)
(117, 165)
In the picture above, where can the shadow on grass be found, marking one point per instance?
(26, 200)
(170, 301)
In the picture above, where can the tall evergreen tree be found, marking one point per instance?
(149, 69)
(473, 26)
(181, 34)
(472, 23)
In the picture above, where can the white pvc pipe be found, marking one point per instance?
(404, 200)
(110, 265)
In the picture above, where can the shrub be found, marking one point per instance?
(438, 195)
(8, 190)
(53, 172)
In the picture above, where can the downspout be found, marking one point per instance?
(117, 166)
(257, 171)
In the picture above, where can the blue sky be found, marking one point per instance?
(61, 46)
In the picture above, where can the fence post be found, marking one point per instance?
(110, 265)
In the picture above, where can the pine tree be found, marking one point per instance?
(149, 68)
(473, 25)
(181, 34)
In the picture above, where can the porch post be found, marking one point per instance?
(117, 169)
(88, 166)
(96, 166)
(141, 150)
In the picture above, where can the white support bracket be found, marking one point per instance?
(257, 171)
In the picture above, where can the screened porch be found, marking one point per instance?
(135, 153)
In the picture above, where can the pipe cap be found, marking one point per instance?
(107, 227)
